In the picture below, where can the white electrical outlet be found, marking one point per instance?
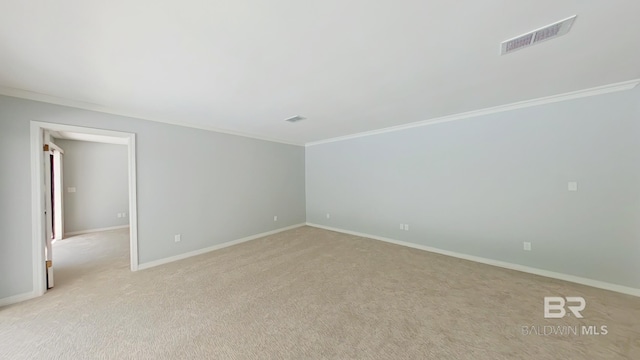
(406, 227)
(526, 246)
(328, 216)
(275, 218)
(177, 238)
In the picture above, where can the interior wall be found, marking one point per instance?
(483, 186)
(15, 208)
(209, 187)
(99, 174)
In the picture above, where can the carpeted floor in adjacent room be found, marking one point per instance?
(303, 294)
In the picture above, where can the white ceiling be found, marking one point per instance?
(347, 66)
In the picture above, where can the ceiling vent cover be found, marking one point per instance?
(538, 35)
(295, 118)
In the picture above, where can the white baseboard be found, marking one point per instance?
(527, 269)
(17, 298)
(95, 230)
(154, 263)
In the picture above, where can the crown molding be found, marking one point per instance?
(604, 89)
(625, 85)
(30, 95)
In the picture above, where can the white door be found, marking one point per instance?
(48, 236)
(57, 198)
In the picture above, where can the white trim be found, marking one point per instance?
(37, 210)
(29, 95)
(527, 269)
(133, 203)
(37, 191)
(625, 85)
(620, 86)
(17, 298)
(154, 263)
(55, 147)
(95, 230)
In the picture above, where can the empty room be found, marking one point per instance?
(320, 180)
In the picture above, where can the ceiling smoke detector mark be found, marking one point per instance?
(537, 36)
(295, 119)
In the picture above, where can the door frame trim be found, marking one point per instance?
(37, 193)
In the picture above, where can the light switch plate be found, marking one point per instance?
(71, 189)
(572, 186)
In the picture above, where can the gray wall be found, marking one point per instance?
(99, 172)
(210, 187)
(483, 186)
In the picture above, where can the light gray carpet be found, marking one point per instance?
(303, 294)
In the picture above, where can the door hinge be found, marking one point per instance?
(45, 147)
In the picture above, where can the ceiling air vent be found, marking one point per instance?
(295, 118)
(538, 35)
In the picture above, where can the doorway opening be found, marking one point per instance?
(48, 200)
